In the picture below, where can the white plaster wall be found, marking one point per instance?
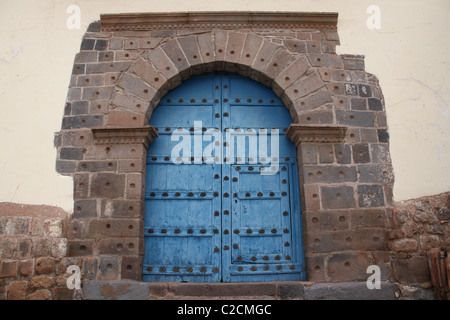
(409, 55)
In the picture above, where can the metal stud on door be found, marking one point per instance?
(211, 215)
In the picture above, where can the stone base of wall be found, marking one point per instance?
(100, 290)
(419, 226)
(33, 246)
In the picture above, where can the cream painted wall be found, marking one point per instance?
(409, 55)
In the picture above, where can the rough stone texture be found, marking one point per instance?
(98, 290)
(419, 225)
(33, 242)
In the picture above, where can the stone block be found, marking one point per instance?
(355, 118)
(136, 86)
(290, 75)
(119, 246)
(103, 67)
(128, 102)
(106, 56)
(313, 101)
(428, 242)
(343, 267)
(119, 118)
(41, 294)
(101, 44)
(312, 197)
(99, 290)
(26, 267)
(131, 268)
(8, 268)
(96, 93)
(316, 117)
(175, 54)
(308, 153)
(59, 247)
(295, 46)
(380, 153)
(365, 90)
(42, 247)
(17, 290)
(71, 153)
(85, 208)
(277, 63)
(234, 48)
(125, 55)
(135, 186)
(79, 248)
(338, 197)
(406, 245)
(376, 173)
(114, 227)
(44, 265)
(263, 56)
(85, 57)
(79, 107)
(62, 294)
(304, 86)
(414, 270)
(343, 154)
(327, 242)
(354, 64)
(206, 47)
(122, 208)
(326, 153)
(79, 122)
(24, 248)
(371, 218)
(40, 282)
(358, 104)
(87, 44)
(148, 73)
(329, 174)
(315, 268)
(96, 166)
(375, 104)
(108, 268)
(361, 153)
(93, 80)
(107, 185)
(370, 196)
(383, 135)
(220, 40)
(164, 65)
(349, 291)
(8, 248)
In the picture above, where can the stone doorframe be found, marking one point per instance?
(128, 62)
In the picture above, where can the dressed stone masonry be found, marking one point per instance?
(128, 62)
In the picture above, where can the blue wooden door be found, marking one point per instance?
(222, 194)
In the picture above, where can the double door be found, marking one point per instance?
(222, 195)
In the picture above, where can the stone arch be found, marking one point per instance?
(291, 76)
(119, 77)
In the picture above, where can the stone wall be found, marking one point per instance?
(33, 247)
(419, 225)
(125, 67)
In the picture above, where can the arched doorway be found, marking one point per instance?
(219, 207)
